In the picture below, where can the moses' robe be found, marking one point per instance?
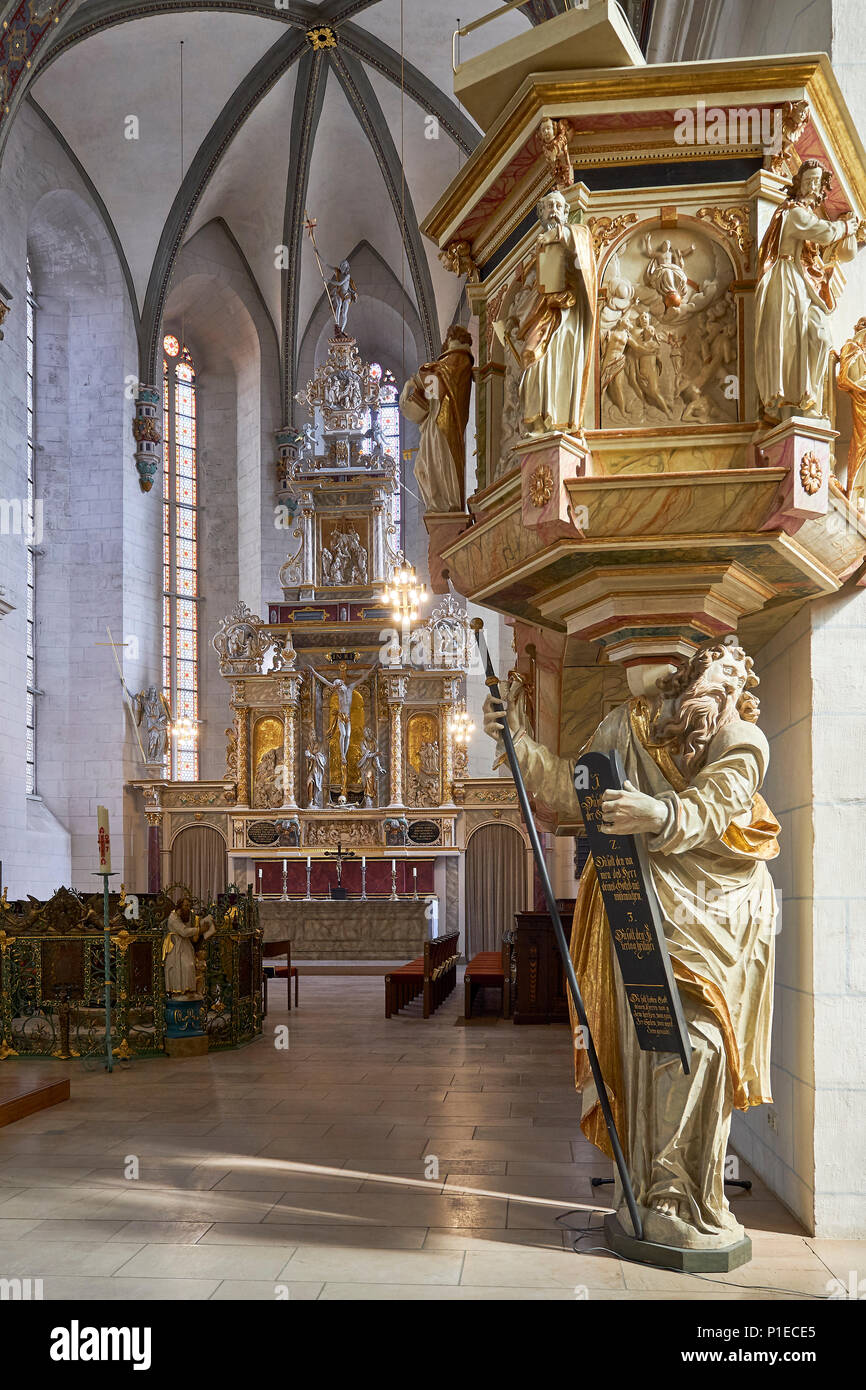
(557, 335)
(708, 865)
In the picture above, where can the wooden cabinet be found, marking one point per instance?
(538, 983)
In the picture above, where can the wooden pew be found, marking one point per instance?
(488, 970)
(434, 975)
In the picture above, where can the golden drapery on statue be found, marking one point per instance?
(436, 399)
(709, 870)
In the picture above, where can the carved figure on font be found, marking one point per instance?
(851, 379)
(643, 354)
(666, 272)
(694, 761)
(793, 299)
(436, 399)
(182, 931)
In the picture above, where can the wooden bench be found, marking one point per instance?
(434, 975)
(287, 972)
(488, 970)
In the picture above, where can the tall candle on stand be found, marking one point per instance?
(414, 881)
(260, 885)
(363, 875)
(103, 839)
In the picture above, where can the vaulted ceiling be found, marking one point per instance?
(287, 106)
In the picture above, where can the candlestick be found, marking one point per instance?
(364, 877)
(414, 882)
(103, 839)
(393, 880)
(260, 885)
(307, 898)
(285, 897)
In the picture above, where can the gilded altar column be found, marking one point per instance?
(446, 709)
(242, 743)
(397, 686)
(154, 851)
(289, 693)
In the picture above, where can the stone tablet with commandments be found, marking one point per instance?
(633, 913)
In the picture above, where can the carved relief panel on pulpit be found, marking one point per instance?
(667, 329)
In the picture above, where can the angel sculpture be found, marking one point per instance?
(666, 271)
(553, 138)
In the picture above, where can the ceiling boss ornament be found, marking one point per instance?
(322, 37)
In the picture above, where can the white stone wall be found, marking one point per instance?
(98, 548)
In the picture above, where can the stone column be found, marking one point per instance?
(289, 692)
(397, 686)
(154, 849)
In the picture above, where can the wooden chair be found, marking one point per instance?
(287, 972)
(433, 975)
(488, 970)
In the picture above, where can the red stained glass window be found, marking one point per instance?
(180, 553)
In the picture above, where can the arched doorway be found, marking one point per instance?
(198, 860)
(495, 885)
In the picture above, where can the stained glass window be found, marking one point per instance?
(32, 692)
(389, 421)
(180, 620)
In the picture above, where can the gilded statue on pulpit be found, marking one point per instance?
(436, 399)
(793, 298)
(851, 379)
(549, 325)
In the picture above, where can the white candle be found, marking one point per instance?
(103, 840)
(414, 872)
(285, 865)
(393, 866)
(260, 878)
(363, 861)
(308, 861)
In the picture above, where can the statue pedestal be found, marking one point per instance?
(802, 447)
(720, 1261)
(442, 528)
(547, 465)
(184, 1028)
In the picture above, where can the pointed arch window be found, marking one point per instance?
(180, 502)
(389, 420)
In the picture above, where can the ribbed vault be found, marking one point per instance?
(268, 84)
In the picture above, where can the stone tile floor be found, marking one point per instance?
(372, 1159)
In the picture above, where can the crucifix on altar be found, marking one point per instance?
(339, 854)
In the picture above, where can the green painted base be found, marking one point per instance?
(720, 1261)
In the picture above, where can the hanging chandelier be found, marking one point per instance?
(460, 726)
(405, 592)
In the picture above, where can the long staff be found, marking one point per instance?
(310, 229)
(492, 681)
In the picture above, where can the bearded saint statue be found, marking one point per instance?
(553, 331)
(793, 299)
(694, 762)
(436, 399)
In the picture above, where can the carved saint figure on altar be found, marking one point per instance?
(269, 779)
(371, 769)
(181, 933)
(793, 299)
(151, 708)
(436, 399)
(694, 762)
(851, 379)
(341, 292)
(554, 332)
(317, 764)
(341, 719)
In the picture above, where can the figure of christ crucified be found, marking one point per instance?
(341, 718)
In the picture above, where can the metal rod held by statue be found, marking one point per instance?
(492, 682)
